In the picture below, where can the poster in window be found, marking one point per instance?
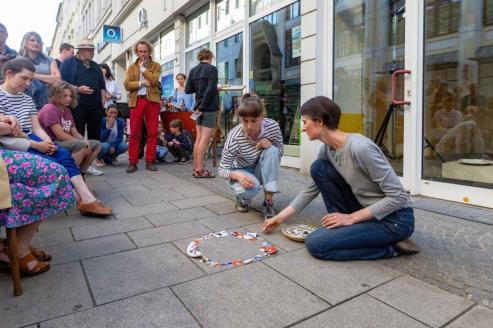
(293, 46)
(168, 85)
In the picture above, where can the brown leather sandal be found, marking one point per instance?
(204, 174)
(39, 268)
(39, 254)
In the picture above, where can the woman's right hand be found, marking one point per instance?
(271, 224)
(45, 147)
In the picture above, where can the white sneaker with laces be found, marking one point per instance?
(94, 171)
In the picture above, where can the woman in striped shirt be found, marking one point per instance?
(251, 156)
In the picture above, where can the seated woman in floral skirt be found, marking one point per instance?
(39, 188)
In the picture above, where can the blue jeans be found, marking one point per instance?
(265, 173)
(60, 156)
(367, 240)
(105, 148)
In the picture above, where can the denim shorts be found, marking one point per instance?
(207, 119)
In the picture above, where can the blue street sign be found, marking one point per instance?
(112, 34)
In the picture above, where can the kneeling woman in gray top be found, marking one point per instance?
(369, 213)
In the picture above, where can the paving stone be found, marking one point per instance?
(65, 221)
(45, 238)
(80, 250)
(232, 220)
(223, 208)
(276, 237)
(250, 296)
(198, 201)
(192, 191)
(190, 214)
(361, 312)
(341, 280)
(416, 298)
(159, 308)
(126, 213)
(141, 198)
(130, 181)
(477, 317)
(62, 290)
(121, 275)
(167, 233)
(114, 200)
(110, 228)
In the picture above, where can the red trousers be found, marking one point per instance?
(149, 111)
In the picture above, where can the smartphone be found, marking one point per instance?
(195, 115)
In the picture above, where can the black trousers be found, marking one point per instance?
(179, 151)
(90, 116)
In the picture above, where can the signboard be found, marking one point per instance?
(112, 34)
(167, 85)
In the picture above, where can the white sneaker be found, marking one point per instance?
(94, 171)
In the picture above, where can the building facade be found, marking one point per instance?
(433, 57)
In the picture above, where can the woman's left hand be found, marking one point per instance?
(334, 220)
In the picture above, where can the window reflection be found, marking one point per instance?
(458, 103)
(228, 13)
(198, 27)
(275, 67)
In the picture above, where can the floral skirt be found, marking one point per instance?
(39, 188)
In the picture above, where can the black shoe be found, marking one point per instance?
(183, 161)
(406, 247)
(268, 210)
(242, 205)
(151, 167)
(131, 168)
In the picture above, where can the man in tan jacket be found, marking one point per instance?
(142, 81)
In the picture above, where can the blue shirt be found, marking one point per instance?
(180, 96)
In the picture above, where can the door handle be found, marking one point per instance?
(394, 87)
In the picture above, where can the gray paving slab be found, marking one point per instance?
(62, 290)
(75, 220)
(85, 249)
(231, 220)
(110, 228)
(361, 312)
(416, 298)
(332, 281)
(276, 237)
(477, 317)
(250, 296)
(121, 275)
(198, 201)
(131, 180)
(114, 200)
(45, 238)
(142, 198)
(167, 233)
(190, 214)
(223, 207)
(159, 308)
(192, 191)
(124, 213)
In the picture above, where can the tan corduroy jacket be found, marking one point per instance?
(4, 186)
(132, 79)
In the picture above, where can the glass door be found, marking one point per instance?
(369, 62)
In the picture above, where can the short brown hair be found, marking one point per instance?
(205, 54)
(149, 47)
(56, 93)
(251, 106)
(323, 109)
(183, 75)
(176, 124)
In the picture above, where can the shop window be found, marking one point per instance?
(257, 6)
(227, 15)
(488, 12)
(198, 28)
(229, 60)
(167, 43)
(442, 16)
(275, 52)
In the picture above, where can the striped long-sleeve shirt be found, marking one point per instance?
(240, 151)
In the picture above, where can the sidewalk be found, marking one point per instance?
(131, 270)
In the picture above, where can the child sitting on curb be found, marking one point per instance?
(179, 142)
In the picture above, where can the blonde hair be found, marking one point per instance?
(25, 39)
(205, 54)
(56, 93)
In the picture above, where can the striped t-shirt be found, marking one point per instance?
(20, 105)
(240, 151)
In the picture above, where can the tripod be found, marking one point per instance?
(382, 130)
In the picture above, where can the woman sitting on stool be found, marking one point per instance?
(369, 213)
(251, 156)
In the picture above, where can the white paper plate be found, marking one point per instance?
(475, 161)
